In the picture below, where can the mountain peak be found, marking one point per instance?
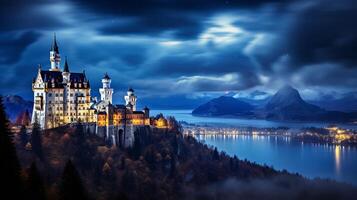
(289, 102)
(285, 96)
(288, 90)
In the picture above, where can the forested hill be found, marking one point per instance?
(161, 165)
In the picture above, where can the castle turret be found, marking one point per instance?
(66, 74)
(106, 93)
(146, 112)
(55, 57)
(131, 98)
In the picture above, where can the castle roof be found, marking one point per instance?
(130, 90)
(106, 76)
(55, 78)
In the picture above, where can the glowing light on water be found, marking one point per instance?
(338, 158)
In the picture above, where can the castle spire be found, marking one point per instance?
(55, 57)
(66, 68)
(106, 76)
(54, 46)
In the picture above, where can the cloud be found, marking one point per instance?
(14, 44)
(324, 32)
(20, 15)
(151, 45)
(231, 81)
(328, 75)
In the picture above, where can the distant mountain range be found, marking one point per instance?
(15, 106)
(224, 105)
(346, 102)
(286, 104)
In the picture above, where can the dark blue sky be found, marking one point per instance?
(192, 48)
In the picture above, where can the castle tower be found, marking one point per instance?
(66, 88)
(65, 73)
(130, 98)
(55, 57)
(106, 93)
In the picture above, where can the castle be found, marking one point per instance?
(63, 97)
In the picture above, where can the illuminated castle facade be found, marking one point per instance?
(63, 97)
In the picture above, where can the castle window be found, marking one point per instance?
(49, 102)
(56, 95)
(50, 94)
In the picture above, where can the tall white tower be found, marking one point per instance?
(55, 57)
(130, 98)
(106, 93)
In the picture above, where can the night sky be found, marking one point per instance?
(193, 48)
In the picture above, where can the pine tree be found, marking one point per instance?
(83, 150)
(23, 136)
(215, 154)
(35, 187)
(10, 181)
(135, 150)
(128, 181)
(71, 184)
(175, 145)
(172, 167)
(36, 140)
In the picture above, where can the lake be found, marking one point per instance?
(185, 115)
(310, 160)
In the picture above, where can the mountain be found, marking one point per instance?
(256, 98)
(287, 104)
(224, 105)
(346, 102)
(15, 106)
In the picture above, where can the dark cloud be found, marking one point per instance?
(28, 15)
(173, 24)
(324, 32)
(212, 64)
(186, 46)
(320, 32)
(14, 44)
(183, 19)
(140, 7)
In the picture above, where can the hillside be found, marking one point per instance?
(224, 106)
(165, 165)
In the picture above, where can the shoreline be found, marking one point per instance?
(331, 136)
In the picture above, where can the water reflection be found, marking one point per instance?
(311, 160)
(338, 158)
